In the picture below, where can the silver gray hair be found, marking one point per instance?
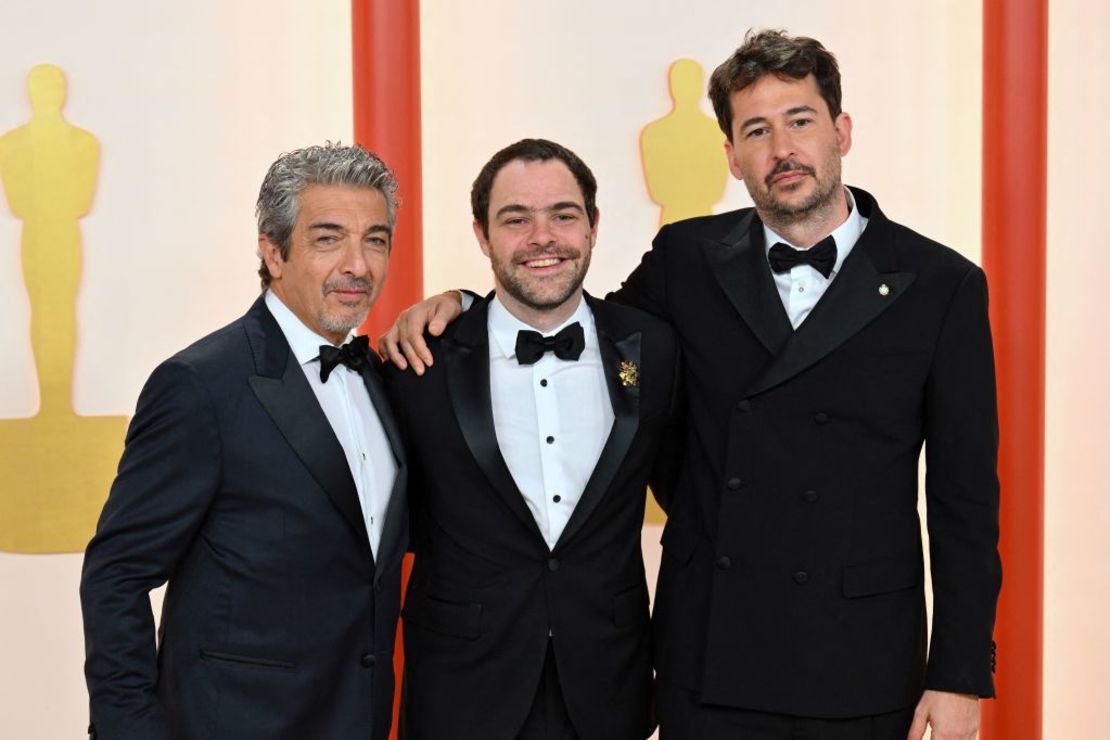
(329, 164)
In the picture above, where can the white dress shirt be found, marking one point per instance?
(802, 286)
(551, 418)
(346, 404)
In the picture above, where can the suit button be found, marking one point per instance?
(553, 564)
(810, 497)
(801, 577)
(724, 562)
(368, 660)
(821, 417)
(744, 405)
(734, 484)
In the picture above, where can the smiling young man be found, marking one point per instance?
(824, 345)
(264, 479)
(532, 441)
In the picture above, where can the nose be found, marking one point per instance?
(782, 144)
(354, 261)
(542, 233)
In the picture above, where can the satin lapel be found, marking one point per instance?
(615, 349)
(467, 365)
(740, 266)
(395, 520)
(855, 298)
(292, 405)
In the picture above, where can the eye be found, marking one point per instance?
(754, 133)
(326, 240)
(377, 242)
(514, 221)
(801, 122)
(567, 217)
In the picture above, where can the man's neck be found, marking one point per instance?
(815, 225)
(542, 320)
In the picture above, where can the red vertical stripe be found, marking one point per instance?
(385, 48)
(1015, 90)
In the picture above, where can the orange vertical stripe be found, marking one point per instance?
(385, 49)
(1015, 90)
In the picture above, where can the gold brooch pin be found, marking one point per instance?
(629, 374)
(884, 289)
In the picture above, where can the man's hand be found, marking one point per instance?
(404, 343)
(952, 716)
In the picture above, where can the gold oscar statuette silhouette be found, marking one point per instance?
(684, 165)
(682, 152)
(55, 467)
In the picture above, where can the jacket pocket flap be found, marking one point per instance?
(448, 617)
(881, 576)
(678, 543)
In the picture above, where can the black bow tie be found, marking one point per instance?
(821, 256)
(355, 354)
(567, 344)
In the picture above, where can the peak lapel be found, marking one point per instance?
(283, 391)
(867, 285)
(467, 366)
(740, 267)
(617, 346)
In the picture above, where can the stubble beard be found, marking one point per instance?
(527, 295)
(779, 214)
(345, 319)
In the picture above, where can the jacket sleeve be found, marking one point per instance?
(167, 478)
(962, 493)
(646, 287)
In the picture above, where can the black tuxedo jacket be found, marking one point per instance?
(486, 591)
(277, 622)
(792, 573)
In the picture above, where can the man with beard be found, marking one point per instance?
(264, 479)
(824, 345)
(532, 441)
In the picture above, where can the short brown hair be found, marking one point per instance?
(531, 150)
(773, 52)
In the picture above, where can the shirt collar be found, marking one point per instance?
(304, 342)
(503, 327)
(846, 235)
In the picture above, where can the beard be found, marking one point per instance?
(541, 293)
(346, 318)
(822, 198)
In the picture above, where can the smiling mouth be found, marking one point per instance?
(543, 262)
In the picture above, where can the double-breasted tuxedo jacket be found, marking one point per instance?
(486, 592)
(277, 621)
(792, 572)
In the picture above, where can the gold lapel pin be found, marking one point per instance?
(884, 289)
(629, 374)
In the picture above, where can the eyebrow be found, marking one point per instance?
(791, 112)
(518, 208)
(329, 226)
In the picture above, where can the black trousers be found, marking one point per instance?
(548, 719)
(683, 717)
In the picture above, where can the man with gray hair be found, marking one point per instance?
(263, 478)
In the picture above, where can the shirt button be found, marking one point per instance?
(821, 417)
(801, 577)
(544, 382)
(550, 440)
(368, 660)
(724, 562)
(801, 289)
(744, 405)
(556, 498)
(734, 484)
(810, 497)
(553, 564)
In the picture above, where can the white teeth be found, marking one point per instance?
(543, 263)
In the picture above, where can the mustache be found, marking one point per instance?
(788, 165)
(347, 284)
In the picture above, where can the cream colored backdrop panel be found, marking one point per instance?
(1077, 477)
(190, 102)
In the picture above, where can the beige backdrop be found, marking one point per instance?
(191, 103)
